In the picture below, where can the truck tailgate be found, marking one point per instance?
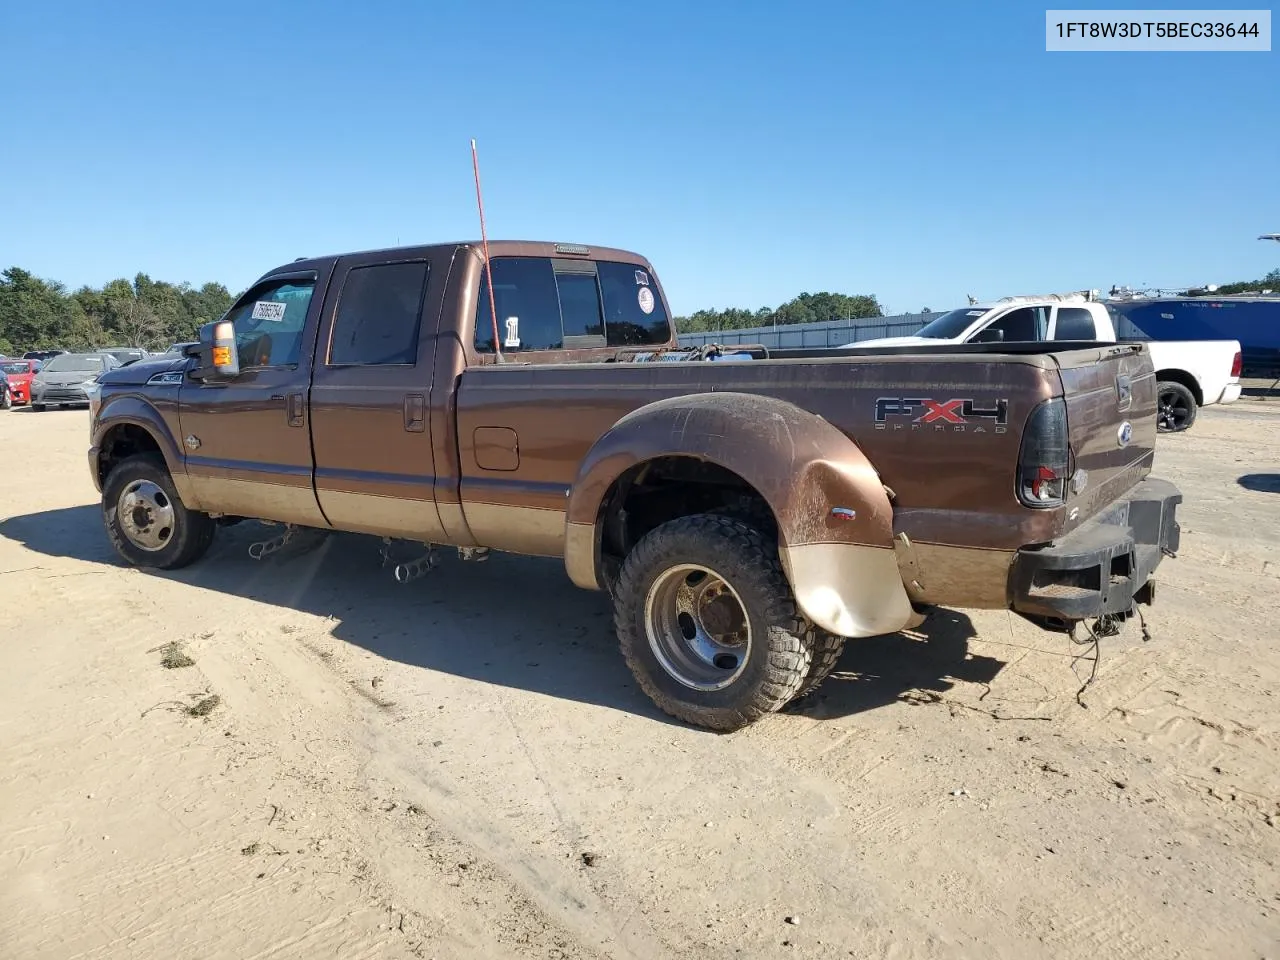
(1111, 420)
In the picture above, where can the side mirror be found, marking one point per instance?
(219, 359)
(989, 335)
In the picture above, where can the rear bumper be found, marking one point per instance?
(1104, 566)
(1230, 393)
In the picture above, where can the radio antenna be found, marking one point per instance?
(484, 242)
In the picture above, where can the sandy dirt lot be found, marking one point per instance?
(463, 767)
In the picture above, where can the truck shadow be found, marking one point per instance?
(877, 671)
(511, 621)
(1260, 482)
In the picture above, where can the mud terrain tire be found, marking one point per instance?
(771, 664)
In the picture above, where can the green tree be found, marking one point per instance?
(36, 313)
(33, 311)
(806, 308)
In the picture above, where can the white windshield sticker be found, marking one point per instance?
(268, 310)
(512, 341)
(645, 296)
(975, 313)
(642, 278)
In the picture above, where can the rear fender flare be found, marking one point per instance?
(835, 522)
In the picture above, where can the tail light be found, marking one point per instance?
(1043, 460)
(1237, 364)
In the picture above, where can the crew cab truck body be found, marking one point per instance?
(745, 517)
(1189, 374)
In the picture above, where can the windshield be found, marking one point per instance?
(22, 367)
(67, 363)
(951, 324)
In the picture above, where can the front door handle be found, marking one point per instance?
(296, 410)
(415, 413)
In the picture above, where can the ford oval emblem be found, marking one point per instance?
(1124, 434)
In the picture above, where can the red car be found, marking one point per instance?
(19, 374)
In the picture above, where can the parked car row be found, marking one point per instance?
(63, 379)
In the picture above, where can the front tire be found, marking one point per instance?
(6, 400)
(38, 407)
(146, 520)
(1175, 408)
(707, 622)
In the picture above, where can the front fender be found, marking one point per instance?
(136, 411)
(835, 522)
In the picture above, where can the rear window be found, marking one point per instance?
(633, 311)
(1074, 323)
(546, 304)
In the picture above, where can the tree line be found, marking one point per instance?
(37, 314)
(1270, 282)
(806, 308)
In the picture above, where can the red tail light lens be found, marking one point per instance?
(1237, 364)
(1042, 463)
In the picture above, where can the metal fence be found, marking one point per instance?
(824, 333)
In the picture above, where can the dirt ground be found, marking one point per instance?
(463, 767)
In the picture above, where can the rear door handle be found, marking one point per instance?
(415, 413)
(296, 410)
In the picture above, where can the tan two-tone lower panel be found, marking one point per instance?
(257, 499)
(849, 589)
(529, 530)
(953, 576)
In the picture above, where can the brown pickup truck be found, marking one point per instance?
(746, 511)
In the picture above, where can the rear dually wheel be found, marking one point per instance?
(707, 622)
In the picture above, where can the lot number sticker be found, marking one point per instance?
(645, 296)
(268, 310)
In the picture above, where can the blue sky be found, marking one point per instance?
(751, 150)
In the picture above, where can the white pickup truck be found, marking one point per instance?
(1191, 374)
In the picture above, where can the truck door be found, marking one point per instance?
(247, 447)
(370, 384)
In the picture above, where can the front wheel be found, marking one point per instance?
(38, 407)
(1176, 409)
(6, 400)
(708, 624)
(147, 522)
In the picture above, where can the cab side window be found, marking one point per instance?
(269, 323)
(562, 304)
(1074, 323)
(379, 314)
(1025, 323)
(633, 313)
(524, 291)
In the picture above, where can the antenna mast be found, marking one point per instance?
(484, 241)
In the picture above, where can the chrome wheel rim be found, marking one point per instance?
(146, 515)
(697, 627)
